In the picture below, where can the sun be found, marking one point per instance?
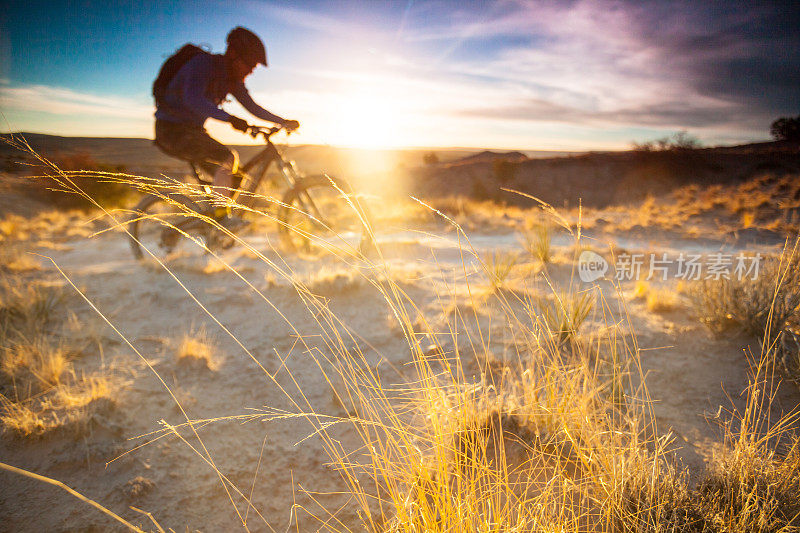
(368, 120)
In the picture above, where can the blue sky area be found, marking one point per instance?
(589, 74)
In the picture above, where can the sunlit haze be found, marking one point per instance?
(508, 74)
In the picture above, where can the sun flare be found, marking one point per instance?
(368, 120)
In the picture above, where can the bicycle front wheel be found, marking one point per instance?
(159, 227)
(323, 212)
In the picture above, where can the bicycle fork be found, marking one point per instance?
(306, 202)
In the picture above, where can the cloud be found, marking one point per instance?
(670, 114)
(59, 101)
(629, 63)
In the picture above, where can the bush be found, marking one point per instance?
(678, 141)
(767, 307)
(786, 129)
(80, 170)
(430, 158)
(773, 299)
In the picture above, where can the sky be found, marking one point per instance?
(513, 74)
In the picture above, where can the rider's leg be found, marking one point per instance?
(223, 175)
(192, 143)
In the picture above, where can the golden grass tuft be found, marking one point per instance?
(46, 394)
(214, 266)
(538, 243)
(329, 281)
(14, 227)
(15, 261)
(27, 307)
(640, 290)
(20, 419)
(39, 388)
(662, 300)
(498, 266)
(197, 349)
(657, 299)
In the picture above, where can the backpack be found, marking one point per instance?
(171, 67)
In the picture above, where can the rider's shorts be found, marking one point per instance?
(192, 143)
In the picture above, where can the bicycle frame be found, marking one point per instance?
(304, 196)
(261, 161)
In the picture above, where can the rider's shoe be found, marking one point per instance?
(233, 224)
(169, 238)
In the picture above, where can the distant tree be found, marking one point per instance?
(430, 158)
(683, 141)
(786, 129)
(642, 147)
(677, 141)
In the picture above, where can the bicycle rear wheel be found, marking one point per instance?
(322, 212)
(159, 227)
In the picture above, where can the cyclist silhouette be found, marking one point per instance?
(191, 87)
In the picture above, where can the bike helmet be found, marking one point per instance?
(247, 46)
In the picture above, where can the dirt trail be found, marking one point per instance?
(689, 373)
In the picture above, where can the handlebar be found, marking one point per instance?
(255, 131)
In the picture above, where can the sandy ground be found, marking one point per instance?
(691, 375)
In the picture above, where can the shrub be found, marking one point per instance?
(69, 173)
(786, 129)
(430, 158)
(677, 141)
(771, 300)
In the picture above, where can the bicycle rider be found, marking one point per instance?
(195, 93)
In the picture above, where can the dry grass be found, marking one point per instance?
(767, 307)
(214, 266)
(769, 303)
(26, 307)
(329, 281)
(498, 266)
(768, 201)
(563, 442)
(565, 312)
(482, 215)
(15, 260)
(39, 389)
(537, 243)
(35, 362)
(198, 349)
(657, 299)
(662, 301)
(14, 228)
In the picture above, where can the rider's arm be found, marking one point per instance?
(243, 97)
(198, 72)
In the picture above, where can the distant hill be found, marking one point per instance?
(597, 178)
(487, 156)
(141, 156)
(603, 178)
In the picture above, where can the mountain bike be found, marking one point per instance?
(316, 210)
